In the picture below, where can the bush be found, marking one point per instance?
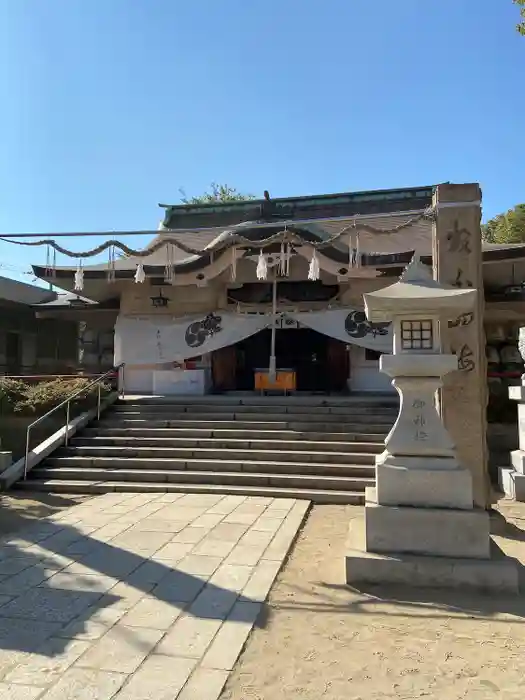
(11, 389)
(22, 397)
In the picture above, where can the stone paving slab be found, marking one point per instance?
(137, 596)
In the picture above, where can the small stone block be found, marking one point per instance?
(517, 458)
(48, 664)
(122, 649)
(152, 613)
(159, 678)
(189, 637)
(429, 531)
(261, 581)
(512, 483)
(10, 691)
(496, 574)
(48, 605)
(231, 638)
(443, 488)
(204, 684)
(84, 684)
(517, 393)
(178, 586)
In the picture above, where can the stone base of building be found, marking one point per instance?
(512, 483)
(498, 573)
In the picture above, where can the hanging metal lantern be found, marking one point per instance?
(159, 301)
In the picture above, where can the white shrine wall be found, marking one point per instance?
(364, 374)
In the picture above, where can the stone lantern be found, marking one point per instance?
(420, 526)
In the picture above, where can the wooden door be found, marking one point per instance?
(338, 362)
(224, 368)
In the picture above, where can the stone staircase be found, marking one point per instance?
(318, 448)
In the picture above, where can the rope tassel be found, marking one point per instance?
(288, 259)
(140, 275)
(48, 261)
(111, 264)
(314, 270)
(282, 261)
(169, 272)
(79, 278)
(234, 264)
(262, 267)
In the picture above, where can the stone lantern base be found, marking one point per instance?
(426, 546)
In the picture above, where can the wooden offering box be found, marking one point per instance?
(285, 380)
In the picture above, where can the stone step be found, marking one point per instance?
(349, 468)
(114, 422)
(299, 481)
(310, 417)
(315, 448)
(150, 409)
(200, 434)
(98, 487)
(222, 455)
(226, 444)
(250, 399)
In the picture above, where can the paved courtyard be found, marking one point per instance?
(138, 597)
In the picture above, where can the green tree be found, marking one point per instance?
(217, 193)
(521, 24)
(506, 228)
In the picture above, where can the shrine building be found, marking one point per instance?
(193, 312)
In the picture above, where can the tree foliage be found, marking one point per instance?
(506, 228)
(217, 193)
(521, 24)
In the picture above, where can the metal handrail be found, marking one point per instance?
(67, 403)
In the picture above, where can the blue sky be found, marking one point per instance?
(110, 106)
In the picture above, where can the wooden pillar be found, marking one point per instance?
(457, 260)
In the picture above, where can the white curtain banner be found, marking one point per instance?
(350, 326)
(145, 343)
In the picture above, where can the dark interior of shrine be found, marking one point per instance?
(311, 355)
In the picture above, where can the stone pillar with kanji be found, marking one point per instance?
(457, 261)
(421, 526)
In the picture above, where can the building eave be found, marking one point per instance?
(289, 208)
(13, 292)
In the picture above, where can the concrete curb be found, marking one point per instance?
(16, 471)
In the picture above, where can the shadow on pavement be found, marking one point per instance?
(53, 575)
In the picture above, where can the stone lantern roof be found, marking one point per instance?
(417, 292)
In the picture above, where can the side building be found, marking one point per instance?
(30, 345)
